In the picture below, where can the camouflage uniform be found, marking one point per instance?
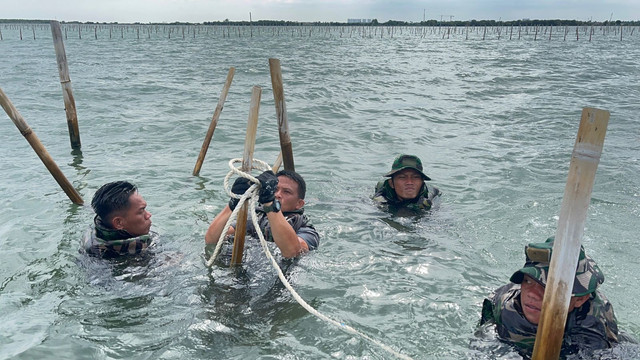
(108, 243)
(386, 196)
(591, 326)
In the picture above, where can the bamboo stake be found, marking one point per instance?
(281, 113)
(214, 122)
(65, 81)
(247, 160)
(40, 150)
(277, 163)
(566, 248)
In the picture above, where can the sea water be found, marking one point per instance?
(494, 122)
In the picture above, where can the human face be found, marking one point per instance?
(136, 220)
(531, 296)
(287, 194)
(407, 184)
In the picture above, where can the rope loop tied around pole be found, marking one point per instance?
(252, 195)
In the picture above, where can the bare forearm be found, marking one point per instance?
(285, 237)
(217, 225)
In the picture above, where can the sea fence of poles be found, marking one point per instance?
(73, 31)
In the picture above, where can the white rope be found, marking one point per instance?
(253, 194)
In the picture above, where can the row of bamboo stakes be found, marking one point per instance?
(584, 162)
(285, 156)
(228, 31)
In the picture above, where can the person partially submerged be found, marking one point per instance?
(406, 187)
(281, 213)
(122, 223)
(515, 308)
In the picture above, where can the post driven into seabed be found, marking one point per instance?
(281, 113)
(214, 122)
(65, 81)
(247, 160)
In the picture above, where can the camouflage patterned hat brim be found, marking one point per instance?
(536, 271)
(588, 275)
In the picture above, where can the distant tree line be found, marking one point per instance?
(374, 22)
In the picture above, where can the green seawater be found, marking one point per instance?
(493, 121)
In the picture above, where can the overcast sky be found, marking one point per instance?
(197, 11)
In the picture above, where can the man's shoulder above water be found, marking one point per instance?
(108, 243)
(385, 195)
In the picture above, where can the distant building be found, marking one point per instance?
(358, 21)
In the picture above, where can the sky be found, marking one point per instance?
(198, 11)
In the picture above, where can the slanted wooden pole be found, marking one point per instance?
(214, 122)
(65, 81)
(566, 247)
(277, 163)
(281, 113)
(247, 160)
(40, 150)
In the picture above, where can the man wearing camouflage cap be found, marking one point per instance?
(406, 187)
(515, 308)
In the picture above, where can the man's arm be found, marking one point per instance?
(289, 243)
(240, 186)
(217, 225)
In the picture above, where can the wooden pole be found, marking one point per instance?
(247, 160)
(277, 163)
(67, 93)
(214, 122)
(281, 113)
(40, 150)
(566, 247)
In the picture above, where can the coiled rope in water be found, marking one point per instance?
(252, 194)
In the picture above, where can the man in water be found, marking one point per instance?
(281, 216)
(406, 187)
(515, 308)
(122, 223)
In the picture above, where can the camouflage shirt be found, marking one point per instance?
(107, 243)
(591, 326)
(386, 196)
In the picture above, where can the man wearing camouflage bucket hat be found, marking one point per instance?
(406, 187)
(515, 308)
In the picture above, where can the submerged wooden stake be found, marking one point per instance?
(214, 122)
(566, 247)
(40, 150)
(247, 160)
(281, 113)
(67, 93)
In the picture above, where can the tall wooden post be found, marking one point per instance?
(40, 150)
(566, 247)
(281, 113)
(67, 93)
(247, 160)
(214, 122)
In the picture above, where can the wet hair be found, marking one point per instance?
(302, 186)
(112, 197)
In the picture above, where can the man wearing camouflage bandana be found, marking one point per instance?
(406, 188)
(122, 223)
(515, 308)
